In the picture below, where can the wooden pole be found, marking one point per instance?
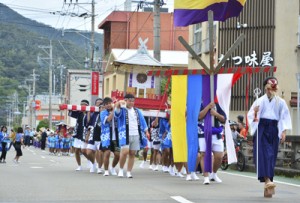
(193, 53)
(211, 57)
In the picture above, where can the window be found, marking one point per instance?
(197, 37)
(206, 40)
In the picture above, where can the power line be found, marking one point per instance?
(68, 53)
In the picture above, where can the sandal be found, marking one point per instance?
(270, 187)
(267, 194)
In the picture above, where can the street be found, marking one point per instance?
(44, 178)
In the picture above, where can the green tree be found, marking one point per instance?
(163, 85)
(43, 123)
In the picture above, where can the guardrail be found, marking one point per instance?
(288, 159)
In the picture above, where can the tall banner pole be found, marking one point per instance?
(256, 92)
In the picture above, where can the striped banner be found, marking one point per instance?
(78, 108)
(187, 12)
(242, 70)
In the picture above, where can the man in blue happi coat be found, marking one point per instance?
(132, 130)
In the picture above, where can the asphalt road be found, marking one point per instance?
(44, 178)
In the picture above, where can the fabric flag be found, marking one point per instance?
(187, 94)
(194, 98)
(178, 118)
(223, 84)
(224, 95)
(188, 12)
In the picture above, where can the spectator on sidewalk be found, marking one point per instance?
(44, 138)
(27, 136)
(18, 144)
(4, 139)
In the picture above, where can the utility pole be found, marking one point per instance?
(156, 24)
(85, 15)
(50, 58)
(93, 34)
(33, 105)
(61, 67)
(156, 29)
(29, 105)
(92, 43)
(33, 101)
(50, 87)
(156, 32)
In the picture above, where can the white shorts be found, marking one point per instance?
(149, 144)
(79, 144)
(94, 147)
(97, 145)
(156, 146)
(91, 147)
(84, 145)
(217, 144)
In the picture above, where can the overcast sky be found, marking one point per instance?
(41, 11)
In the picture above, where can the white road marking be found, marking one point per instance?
(34, 167)
(180, 199)
(43, 157)
(52, 160)
(245, 176)
(34, 153)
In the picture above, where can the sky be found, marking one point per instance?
(57, 14)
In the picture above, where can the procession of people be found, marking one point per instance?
(119, 130)
(124, 131)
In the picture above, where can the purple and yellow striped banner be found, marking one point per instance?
(188, 12)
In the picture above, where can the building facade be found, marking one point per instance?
(271, 39)
(122, 29)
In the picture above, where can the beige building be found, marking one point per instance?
(272, 38)
(117, 78)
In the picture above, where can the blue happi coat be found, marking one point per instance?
(121, 118)
(165, 127)
(105, 128)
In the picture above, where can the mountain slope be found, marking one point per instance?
(20, 42)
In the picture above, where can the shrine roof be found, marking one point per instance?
(168, 57)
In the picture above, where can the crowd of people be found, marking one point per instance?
(120, 129)
(123, 130)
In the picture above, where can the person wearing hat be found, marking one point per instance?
(79, 133)
(272, 115)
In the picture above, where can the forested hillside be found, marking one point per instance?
(20, 39)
